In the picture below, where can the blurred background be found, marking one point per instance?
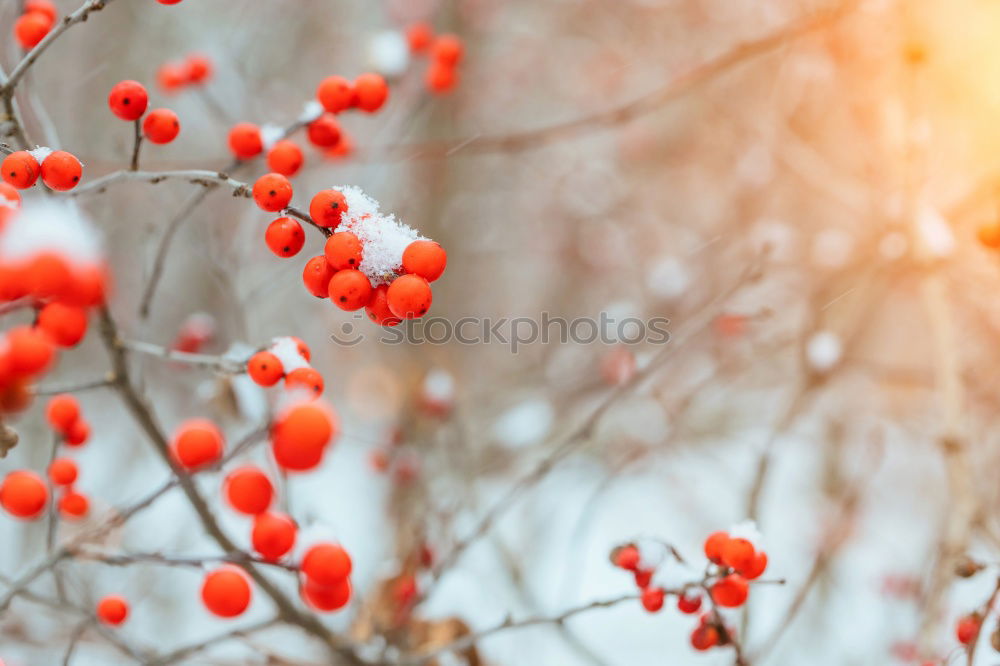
(797, 185)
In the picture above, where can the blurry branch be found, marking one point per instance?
(510, 623)
(984, 614)
(202, 177)
(127, 559)
(221, 363)
(103, 382)
(573, 439)
(136, 145)
(78, 16)
(136, 403)
(191, 650)
(675, 89)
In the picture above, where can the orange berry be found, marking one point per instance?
(316, 277)
(23, 494)
(285, 157)
(378, 307)
(302, 348)
(989, 235)
(65, 324)
(73, 505)
(627, 557)
(245, 141)
(226, 591)
(738, 553)
(419, 36)
(285, 237)
(324, 132)
(447, 50)
(31, 351)
(652, 598)
(199, 68)
(300, 436)
(350, 290)
(327, 598)
(343, 250)
(265, 368)
(89, 286)
(272, 192)
(48, 275)
(440, 77)
(62, 411)
(755, 568)
(731, 591)
(128, 100)
(20, 169)
(335, 94)
(10, 193)
(714, 545)
(967, 629)
(160, 126)
(112, 610)
(273, 535)
(196, 443)
(16, 396)
(326, 564)
(409, 297)
(61, 171)
(704, 637)
(326, 208)
(44, 6)
(31, 28)
(78, 433)
(171, 77)
(371, 92)
(425, 258)
(306, 378)
(248, 490)
(63, 471)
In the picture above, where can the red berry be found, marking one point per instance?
(65, 324)
(112, 610)
(63, 471)
(248, 490)
(756, 567)
(273, 535)
(20, 169)
(196, 443)
(61, 171)
(285, 157)
(730, 591)
(171, 77)
(226, 591)
(738, 553)
(371, 92)
(409, 296)
(265, 368)
(43, 6)
(305, 378)
(160, 126)
(128, 100)
(62, 412)
(78, 433)
(245, 140)
(967, 629)
(327, 598)
(652, 598)
(316, 275)
(447, 50)
(689, 605)
(714, 545)
(419, 36)
(23, 494)
(704, 637)
(643, 577)
(425, 258)
(9, 193)
(199, 68)
(326, 564)
(300, 436)
(302, 348)
(350, 290)
(31, 28)
(343, 250)
(326, 208)
(441, 77)
(30, 351)
(335, 94)
(324, 132)
(272, 192)
(73, 505)
(378, 307)
(285, 237)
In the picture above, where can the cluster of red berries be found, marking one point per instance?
(195, 69)
(128, 100)
(59, 169)
(445, 53)
(35, 22)
(286, 358)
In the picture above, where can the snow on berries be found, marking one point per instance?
(286, 358)
(58, 169)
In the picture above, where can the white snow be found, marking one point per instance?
(51, 226)
(287, 352)
(389, 53)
